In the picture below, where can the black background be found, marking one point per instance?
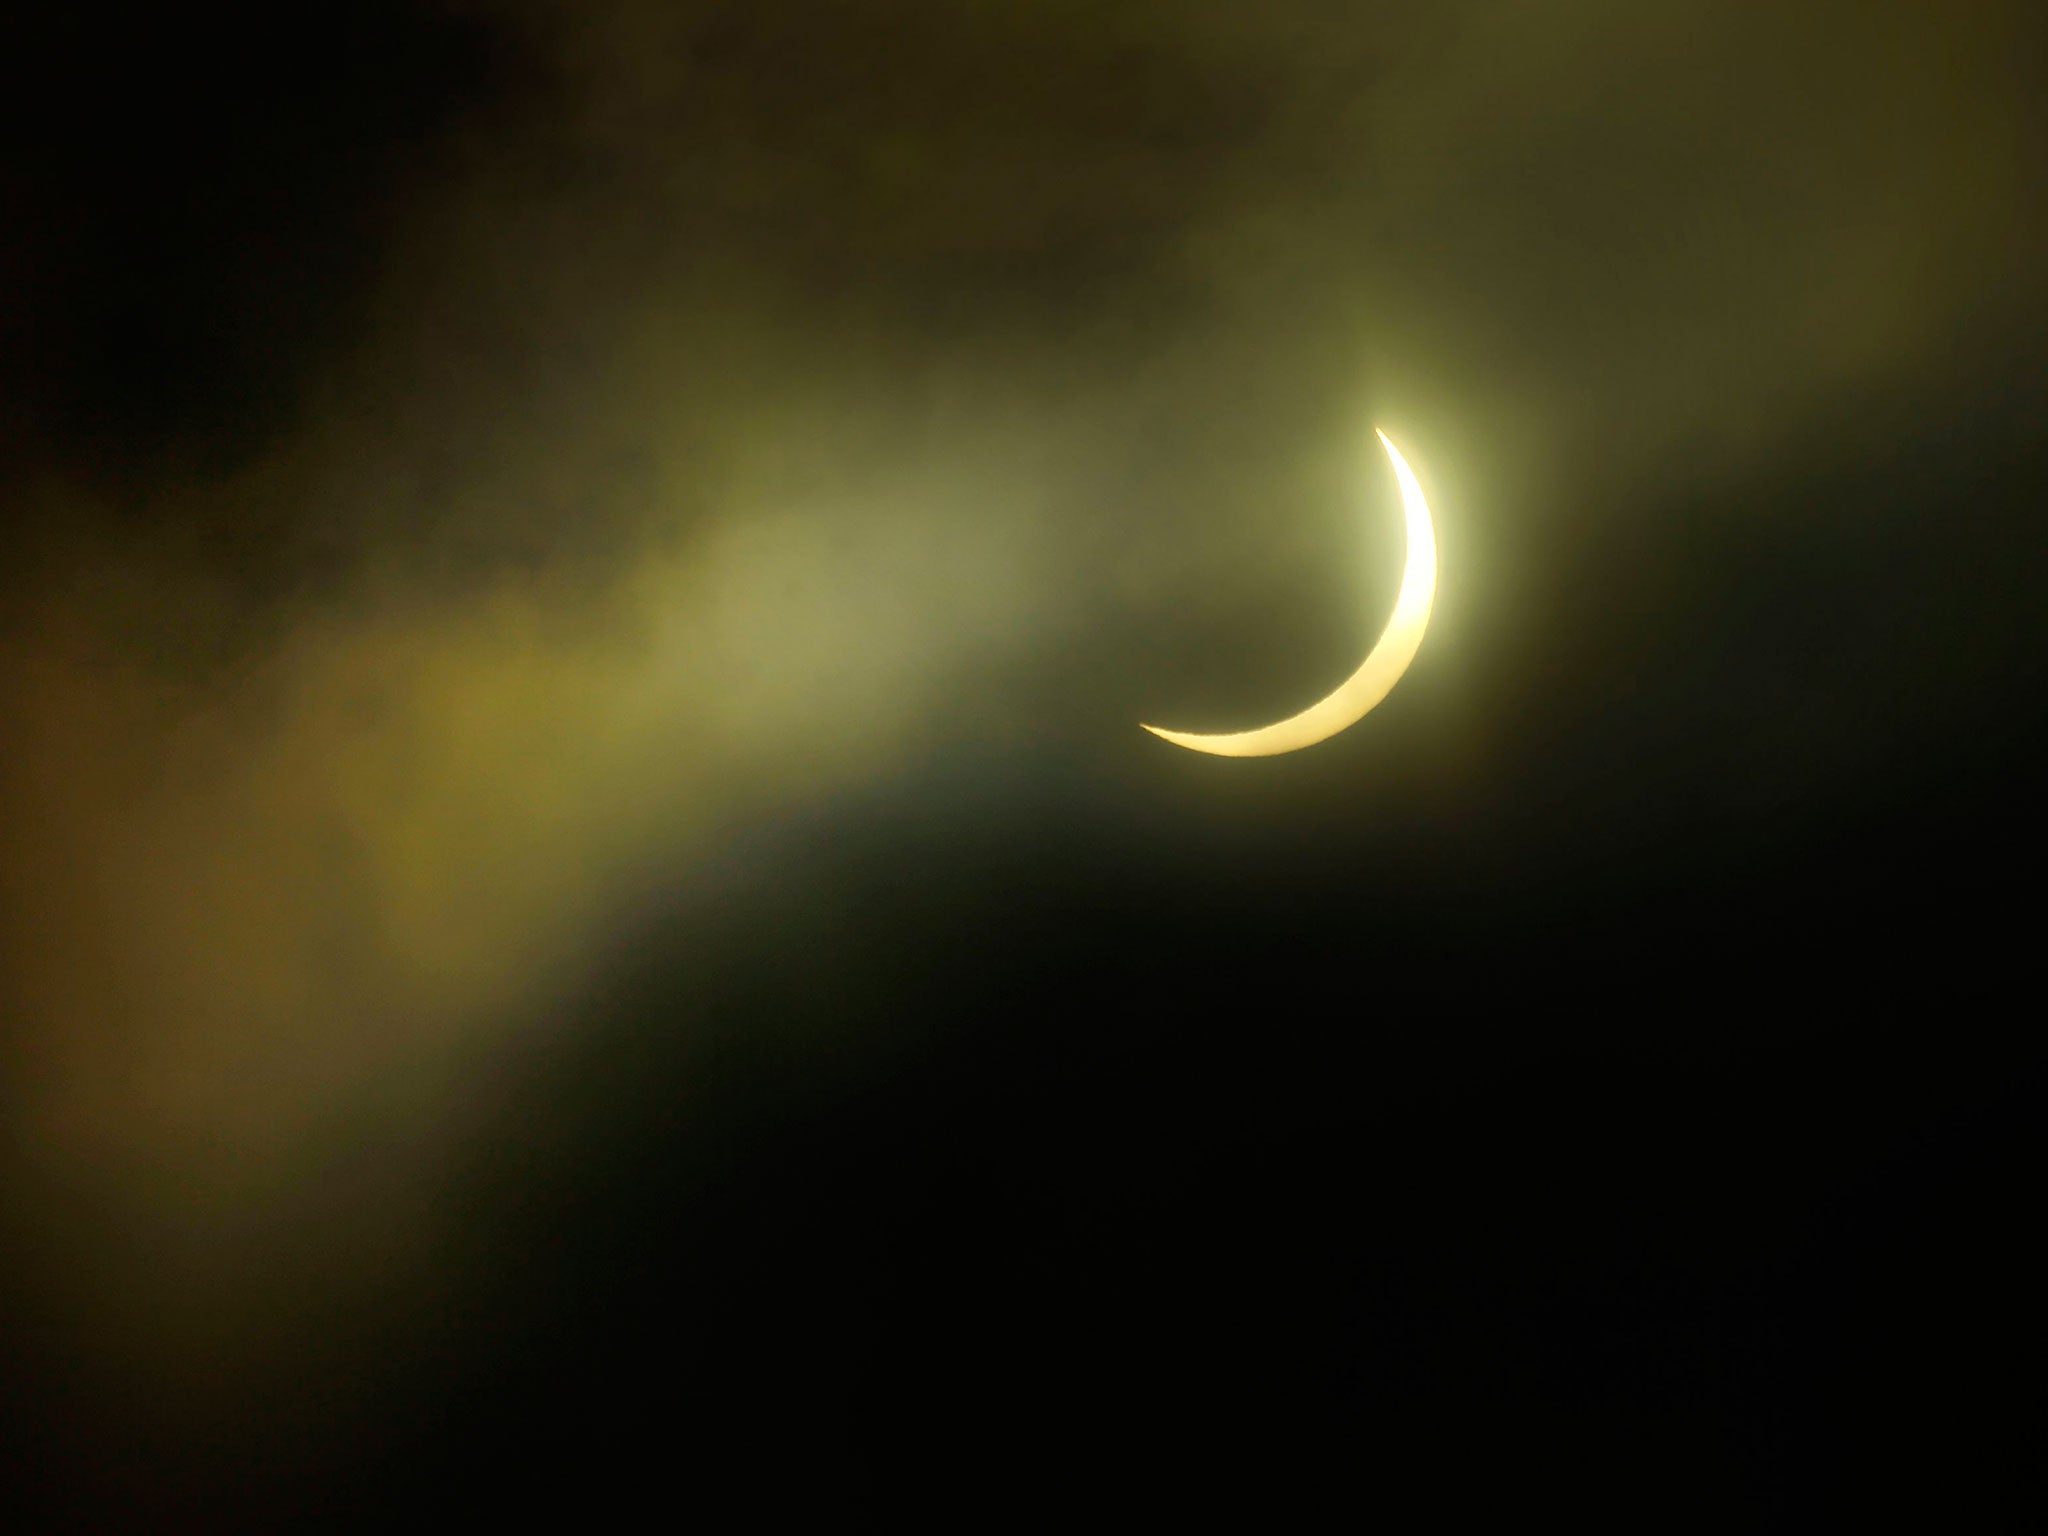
(1627, 1112)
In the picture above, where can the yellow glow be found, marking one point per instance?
(1376, 675)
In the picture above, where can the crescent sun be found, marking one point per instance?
(1376, 675)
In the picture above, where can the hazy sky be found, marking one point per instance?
(483, 481)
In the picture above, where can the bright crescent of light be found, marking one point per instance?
(1376, 675)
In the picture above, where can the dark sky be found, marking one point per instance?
(584, 917)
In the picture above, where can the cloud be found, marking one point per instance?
(738, 400)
